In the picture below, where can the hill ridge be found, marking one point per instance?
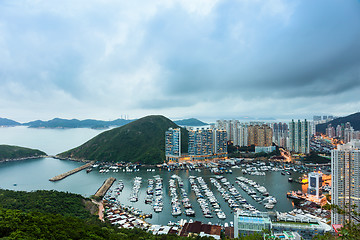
(140, 141)
(354, 120)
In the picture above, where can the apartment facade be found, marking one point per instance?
(345, 181)
(173, 144)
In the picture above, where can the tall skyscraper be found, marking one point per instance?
(173, 144)
(345, 180)
(299, 136)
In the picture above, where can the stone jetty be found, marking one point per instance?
(105, 187)
(64, 175)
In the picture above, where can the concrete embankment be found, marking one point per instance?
(105, 187)
(64, 175)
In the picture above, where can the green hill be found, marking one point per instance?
(354, 120)
(140, 141)
(15, 152)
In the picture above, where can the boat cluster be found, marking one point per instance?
(206, 198)
(258, 168)
(118, 189)
(149, 191)
(220, 170)
(157, 194)
(175, 202)
(261, 196)
(117, 169)
(134, 196)
(230, 194)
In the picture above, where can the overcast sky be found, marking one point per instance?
(207, 59)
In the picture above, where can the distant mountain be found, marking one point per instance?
(141, 141)
(75, 123)
(15, 152)
(8, 122)
(190, 122)
(354, 120)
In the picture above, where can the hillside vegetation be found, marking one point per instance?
(59, 215)
(15, 152)
(140, 141)
(46, 202)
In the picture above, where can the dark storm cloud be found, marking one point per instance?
(180, 57)
(313, 51)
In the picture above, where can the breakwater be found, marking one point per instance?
(64, 175)
(105, 187)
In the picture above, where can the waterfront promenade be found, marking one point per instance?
(64, 175)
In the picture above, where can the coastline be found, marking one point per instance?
(23, 158)
(71, 159)
(105, 163)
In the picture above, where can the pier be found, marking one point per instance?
(105, 187)
(64, 175)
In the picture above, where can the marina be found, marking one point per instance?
(212, 202)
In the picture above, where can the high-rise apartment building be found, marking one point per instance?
(280, 134)
(345, 180)
(220, 137)
(242, 135)
(207, 143)
(299, 136)
(231, 129)
(260, 135)
(201, 142)
(173, 144)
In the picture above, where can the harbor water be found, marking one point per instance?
(34, 174)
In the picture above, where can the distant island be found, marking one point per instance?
(13, 153)
(75, 123)
(190, 122)
(87, 123)
(4, 122)
(141, 141)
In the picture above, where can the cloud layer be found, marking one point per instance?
(181, 58)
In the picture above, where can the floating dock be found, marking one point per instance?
(105, 187)
(64, 175)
